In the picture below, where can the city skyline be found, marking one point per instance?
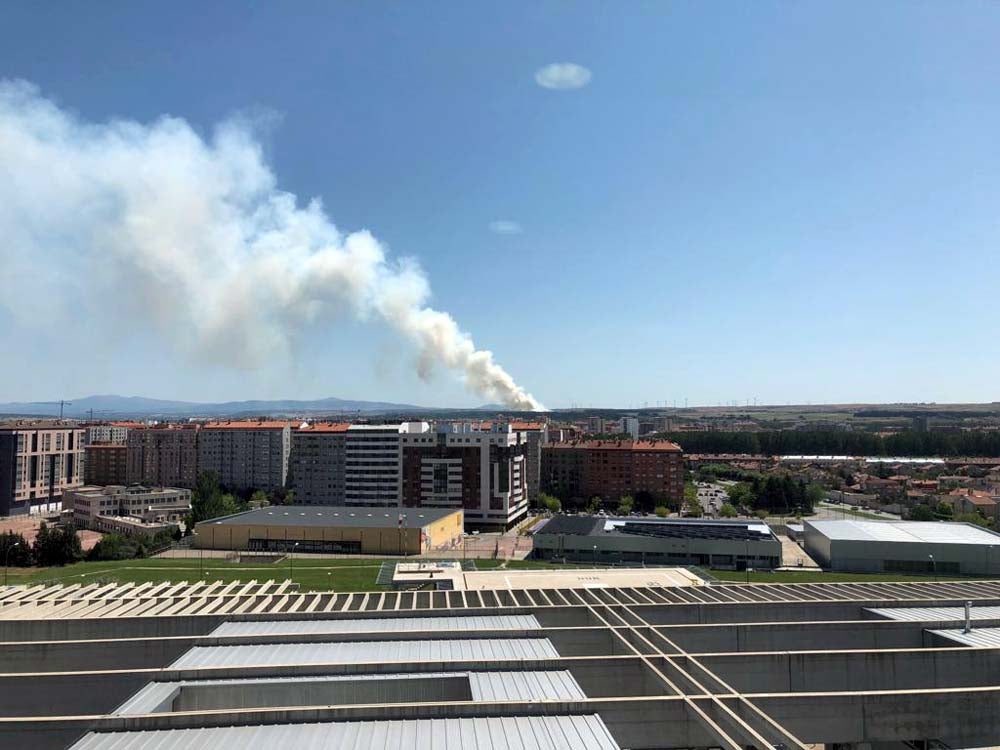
(623, 206)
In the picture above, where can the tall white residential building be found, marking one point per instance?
(630, 426)
(372, 464)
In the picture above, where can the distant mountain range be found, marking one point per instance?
(105, 407)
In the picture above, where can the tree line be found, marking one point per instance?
(827, 442)
(210, 499)
(60, 545)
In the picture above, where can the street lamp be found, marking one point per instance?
(291, 557)
(6, 560)
(933, 567)
(746, 554)
(595, 555)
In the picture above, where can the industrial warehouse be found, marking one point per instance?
(903, 547)
(734, 545)
(223, 666)
(332, 529)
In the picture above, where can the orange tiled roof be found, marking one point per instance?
(326, 427)
(527, 425)
(251, 425)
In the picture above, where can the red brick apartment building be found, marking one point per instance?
(610, 469)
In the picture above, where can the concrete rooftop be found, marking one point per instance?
(624, 665)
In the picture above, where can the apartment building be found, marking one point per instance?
(112, 432)
(538, 437)
(105, 463)
(482, 471)
(162, 456)
(38, 462)
(317, 463)
(611, 469)
(246, 454)
(372, 463)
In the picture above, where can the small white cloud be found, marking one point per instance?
(562, 76)
(503, 226)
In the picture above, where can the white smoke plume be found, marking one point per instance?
(228, 266)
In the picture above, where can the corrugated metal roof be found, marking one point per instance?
(975, 637)
(935, 613)
(485, 686)
(379, 625)
(367, 651)
(502, 733)
(524, 686)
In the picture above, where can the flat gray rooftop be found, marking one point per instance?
(528, 732)
(635, 666)
(352, 652)
(923, 532)
(380, 624)
(335, 515)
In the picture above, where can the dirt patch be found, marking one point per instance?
(27, 526)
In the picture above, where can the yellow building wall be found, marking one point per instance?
(445, 533)
(442, 534)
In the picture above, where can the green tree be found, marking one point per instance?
(741, 494)
(727, 511)
(259, 499)
(690, 492)
(209, 501)
(549, 502)
(815, 493)
(694, 510)
(113, 547)
(975, 518)
(594, 504)
(662, 511)
(57, 546)
(625, 505)
(921, 513)
(944, 510)
(15, 550)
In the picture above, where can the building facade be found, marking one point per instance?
(316, 464)
(925, 547)
(106, 463)
(372, 462)
(93, 506)
(38, 462)
(163, 456)
(538, 437)
(611, 469)
(113, 432)
(727, 545)
(334, 529)
(457, 466)
(246, 455)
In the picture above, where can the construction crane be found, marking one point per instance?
(62, 405)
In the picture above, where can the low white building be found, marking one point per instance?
(903, 547)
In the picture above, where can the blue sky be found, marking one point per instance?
(784, 201)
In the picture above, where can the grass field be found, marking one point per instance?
(342, 575)
(310, 574)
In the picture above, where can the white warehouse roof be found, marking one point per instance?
(921, 532)
(529, 732)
